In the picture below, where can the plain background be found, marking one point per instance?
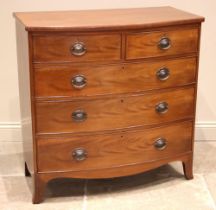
(9, 106)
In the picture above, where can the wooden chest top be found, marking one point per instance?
(95, 20)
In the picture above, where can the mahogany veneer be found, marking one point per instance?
(54, 80)
(100, 48)
(106, 93)
(114, 113)
(145, 45)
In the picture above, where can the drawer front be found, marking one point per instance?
(114, 113)
(162, 43)
(67, 48)
(83, 80)
(113, 150)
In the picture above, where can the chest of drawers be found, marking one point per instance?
(106, 93)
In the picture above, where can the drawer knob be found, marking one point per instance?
(164, 43)
(162, 107)
(163, 73)
(78, 49)
(79, 81)
(79, 154)
(79, 116)
(160, 144)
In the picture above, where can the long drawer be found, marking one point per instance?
(76, 48)
(113, 150)
(91, 80)
(162, 43)
(115, 112)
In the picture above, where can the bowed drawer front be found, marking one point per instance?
(114, 150)
(167, 42)
(62, 48)
(115, 113)
(57, 80)
(106, 93)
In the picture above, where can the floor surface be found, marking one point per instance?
(161, 189)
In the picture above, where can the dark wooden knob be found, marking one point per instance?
(160, 144)
(79, 81)
(78, 49)
(79, 154)
(164, 43)
(79, 116)
(162, 107)
(163, 73)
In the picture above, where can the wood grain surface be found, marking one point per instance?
(110, 151)
(57, 48)
(112, 19)
(25, 96)
(114, 113)
(145, 45)
(55, 81)
(120, 64)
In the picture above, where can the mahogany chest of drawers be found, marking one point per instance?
(106, 93)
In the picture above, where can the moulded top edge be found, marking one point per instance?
(112, 19)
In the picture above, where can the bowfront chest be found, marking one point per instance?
(106, 93)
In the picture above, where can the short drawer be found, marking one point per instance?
(113, 150)
(161, 43)
(71, 48)
(114, 112)
(92, 80)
